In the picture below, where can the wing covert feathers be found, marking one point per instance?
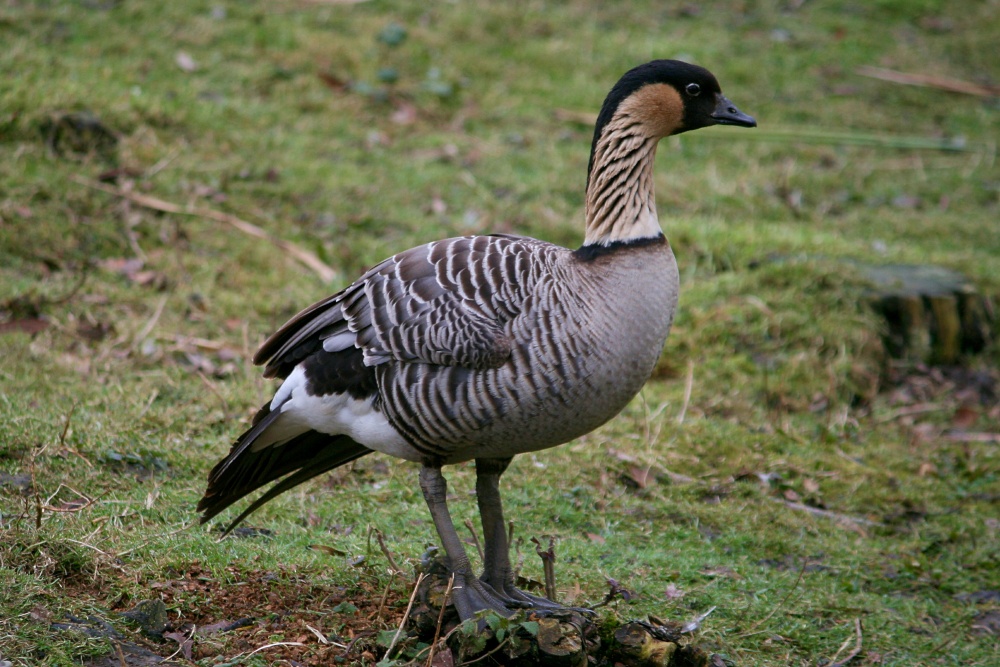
(445, 303)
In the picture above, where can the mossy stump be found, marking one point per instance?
(933, 314)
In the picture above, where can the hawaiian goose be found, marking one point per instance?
(483, 347)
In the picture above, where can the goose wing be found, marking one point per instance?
(444, 303)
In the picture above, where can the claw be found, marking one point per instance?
(471, 595)
(516, 598)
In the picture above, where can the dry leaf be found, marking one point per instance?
(405, 114)
(185, 61)
(443, 658)
(330, 551)
(964, 417)
(31, 325)
(673, 592)
(642, 476)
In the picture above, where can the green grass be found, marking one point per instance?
(112, 425)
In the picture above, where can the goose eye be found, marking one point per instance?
(693, 89)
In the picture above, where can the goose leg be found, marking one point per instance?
(469, 593)
(498, 573)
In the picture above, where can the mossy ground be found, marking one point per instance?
(355, 130)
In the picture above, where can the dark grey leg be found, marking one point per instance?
(469, 593)
(496, 551)
(497, 571)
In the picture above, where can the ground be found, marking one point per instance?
(177, 179)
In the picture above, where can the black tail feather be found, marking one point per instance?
(244, 471)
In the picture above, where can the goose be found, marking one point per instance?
(484, 347)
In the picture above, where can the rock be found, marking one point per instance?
(150, 616)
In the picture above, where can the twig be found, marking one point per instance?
(215, 390)
(843, 518)
(548, 566)
(487, 654)
(69, 418)
(406, 615)
(148, 328)
(688, 385)
(475, 538)
(180, 646)
(916, 409)
(184, 526)
(973, 437)
(121, 654)
(929, 81)
(267, 646)
(437, 628)
(381, 602)
(854, 653)
(764, 620)
(385, 551)
(162, 164)
(813, 136)
(305, 257)
(323, 638)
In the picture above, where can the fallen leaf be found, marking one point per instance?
(571, 594)
(810, 485)
(329, 551)
(332, 81)
(122, 265)
(186, 63)
(641, 476)
(31, 325)
(595, 538)
(986, 623)
(964, 417)
(443, 658)
(405, 114)
(673, 592)
(185, 642)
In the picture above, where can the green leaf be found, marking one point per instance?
(344, 607)
(392, 35)
(531, 627)
(386, 637)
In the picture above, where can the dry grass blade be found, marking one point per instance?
(929, 81)
(854, 653)
(852, 522)
(308, 259)
(385, 551)
(406, 616)
(440, 620)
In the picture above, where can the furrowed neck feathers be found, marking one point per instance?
(620, 204)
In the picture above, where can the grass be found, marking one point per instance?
(114, 412)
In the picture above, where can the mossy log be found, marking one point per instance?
(564, 638)
(933, 314)
(644, 645)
